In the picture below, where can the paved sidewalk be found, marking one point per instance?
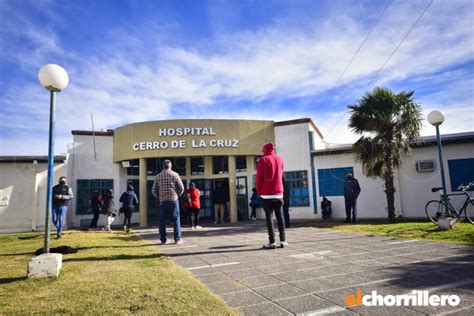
(319, 268)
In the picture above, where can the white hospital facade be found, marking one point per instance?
(208, 152)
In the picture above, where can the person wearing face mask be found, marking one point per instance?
(62, 193)
(351, 193)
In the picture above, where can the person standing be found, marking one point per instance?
(109, 208)
(221, 197)
(96, 206)
(270, 188)
(62, 193)
(129, 201)
(168, 187)
(286, 202)
(193, 205)
(351, 193)
(254, 204)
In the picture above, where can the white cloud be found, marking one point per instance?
(271, 63)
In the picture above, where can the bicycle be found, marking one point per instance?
(435, 209)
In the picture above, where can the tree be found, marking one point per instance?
(389, 124)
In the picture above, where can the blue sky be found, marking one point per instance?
(136, 60)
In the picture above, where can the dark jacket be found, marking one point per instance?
(255, 200)
(221, 196)
(351, 188)
(65, 191)
(326, 204)
(128, 199)
(96, 202)
(109, 206)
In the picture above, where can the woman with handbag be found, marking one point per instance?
(109, 208)
(254, 204)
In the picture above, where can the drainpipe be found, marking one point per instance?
(34, 206)
(313, 183)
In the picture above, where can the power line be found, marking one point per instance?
(403, 39)
(388, 59)
(360, 46)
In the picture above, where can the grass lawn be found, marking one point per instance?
(112, 273)
(414, 230)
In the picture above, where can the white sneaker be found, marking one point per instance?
(179, 242)
(283, 244)
(269, 246)
(198, 227)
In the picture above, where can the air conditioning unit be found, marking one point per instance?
(425, 166)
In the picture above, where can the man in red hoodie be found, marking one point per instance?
(270, 188)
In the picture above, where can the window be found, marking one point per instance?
(155, 165)
(133, 170)
(197, 166)
(84, 190)
(331, 181)
(461, 171)
(298, 183)
(220, 164)
(241, 163)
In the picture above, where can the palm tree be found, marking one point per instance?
(389, 124)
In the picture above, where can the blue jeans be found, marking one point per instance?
(167, 210)
(59, 213)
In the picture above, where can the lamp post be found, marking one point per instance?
(436, 118)
(54, 78)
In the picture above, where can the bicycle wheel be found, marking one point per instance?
(434, 209)
(469, 211)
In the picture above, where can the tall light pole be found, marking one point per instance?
(54, 78)
(436, 118)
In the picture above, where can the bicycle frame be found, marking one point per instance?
(451, 206)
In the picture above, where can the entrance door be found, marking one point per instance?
(153, 212)
(222, 186)
(207, 205)
(242, 198)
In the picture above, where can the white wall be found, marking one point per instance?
(83, 165)
(416, 186)
(371, 202)
(292, 144)
(23, 195)
(413, 187)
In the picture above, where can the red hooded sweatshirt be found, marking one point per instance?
(269, 174)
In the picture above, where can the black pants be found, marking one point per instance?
(194, 216)
(286, 214)
(254, 212)
(271, 206)
(95, 219)
(351, 205)
(127, 212)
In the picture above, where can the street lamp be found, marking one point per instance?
(436, 118)
(54, 78)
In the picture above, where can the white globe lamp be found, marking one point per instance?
(53, 77)
(436, 118)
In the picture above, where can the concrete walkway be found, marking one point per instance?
(319, 268)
